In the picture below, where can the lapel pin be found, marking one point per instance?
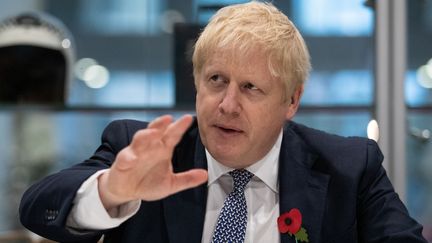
(290, 222)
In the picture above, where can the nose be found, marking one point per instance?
(230, 103)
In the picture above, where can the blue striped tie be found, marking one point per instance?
(231, 224)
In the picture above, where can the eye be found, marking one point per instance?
(217, 80)
(250, 86)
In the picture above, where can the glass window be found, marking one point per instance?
(416, 93)
(6, 157)
(127, 89)
(121, 17)
(206, 8)
(418, 97)
(336, 122)
(323, 17)
(419, 169)
(342, 87)
(219, 2)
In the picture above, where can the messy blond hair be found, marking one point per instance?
(256, 25)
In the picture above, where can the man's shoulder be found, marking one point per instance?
(128, 127)
(337, 152)
(319, 138)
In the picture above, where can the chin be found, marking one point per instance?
(236, 165)
(230, 159)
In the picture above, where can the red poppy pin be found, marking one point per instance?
(290, 222)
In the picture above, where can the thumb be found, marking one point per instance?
(125, 160)
(189, 179)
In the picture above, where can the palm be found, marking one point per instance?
(143, 170)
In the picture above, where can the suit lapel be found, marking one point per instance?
(185, 211)
(300, 186)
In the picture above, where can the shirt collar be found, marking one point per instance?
(266, 169)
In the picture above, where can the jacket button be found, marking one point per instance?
(51, 214)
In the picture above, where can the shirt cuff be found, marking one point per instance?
(89, 213)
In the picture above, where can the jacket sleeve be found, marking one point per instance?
(382, 215)
(45, 206)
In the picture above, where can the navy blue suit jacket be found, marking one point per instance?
(337, 183)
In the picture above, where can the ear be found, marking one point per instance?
(294, 102)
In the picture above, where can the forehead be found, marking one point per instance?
(250, 60)
(252, 67)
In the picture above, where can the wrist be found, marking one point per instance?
(109, 200)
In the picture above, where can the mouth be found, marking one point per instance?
(228, 129)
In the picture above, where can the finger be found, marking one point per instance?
(161, 122)
(144, 138)
(189, 179)
(153, 132)
(175, 131)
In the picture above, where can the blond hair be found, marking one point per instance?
(256, 25)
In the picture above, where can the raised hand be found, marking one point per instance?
(143, 170)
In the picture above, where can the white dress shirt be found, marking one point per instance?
(262, 199)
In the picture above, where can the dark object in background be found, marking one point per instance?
(185, 36)
(30, 74)
(35, 59)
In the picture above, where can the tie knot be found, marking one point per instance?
(241, 179)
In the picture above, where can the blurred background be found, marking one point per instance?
(372, 76)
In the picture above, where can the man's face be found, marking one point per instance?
(240, 107)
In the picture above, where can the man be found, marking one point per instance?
(145, 182)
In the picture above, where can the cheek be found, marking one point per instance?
(266, 131)
(200, 97)
(269, 118)
(204, 107)
(206, 101)
(200, 102)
